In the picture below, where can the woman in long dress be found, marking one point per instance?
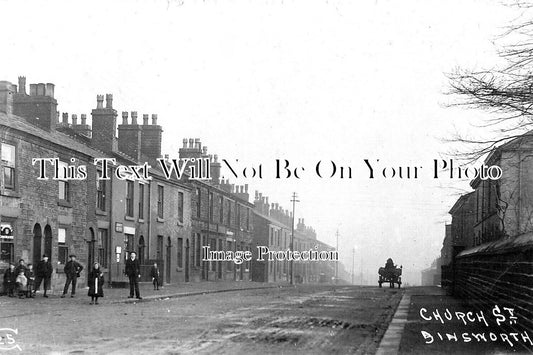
(96, 283)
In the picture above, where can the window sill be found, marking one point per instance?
(140, 220)
(64, 203)
(160, 220)
(128, 218)
(9, 192)
(101, 213)
(180, 224)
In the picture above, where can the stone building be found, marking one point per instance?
(496, 266)
(95, 218)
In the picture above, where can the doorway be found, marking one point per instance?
(37, 242)
(187, 260)
(168, 259)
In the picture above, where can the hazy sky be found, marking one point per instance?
(298, 80)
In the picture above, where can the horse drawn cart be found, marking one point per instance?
(391, 274)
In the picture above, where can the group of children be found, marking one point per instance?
(19, 280)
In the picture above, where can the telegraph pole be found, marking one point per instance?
(337, 261)
(294, 200)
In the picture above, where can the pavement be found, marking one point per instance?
(417, 329)
(120, 295)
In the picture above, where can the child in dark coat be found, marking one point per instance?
(9, 280)
(30, 275)
(154, 272)
(96, 283)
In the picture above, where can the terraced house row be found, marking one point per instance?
(165, 220)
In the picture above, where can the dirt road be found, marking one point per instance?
(306, 319)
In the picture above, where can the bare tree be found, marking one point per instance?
(505, 91)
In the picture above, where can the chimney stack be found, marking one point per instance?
(104, 124)
(151, 136)
(6, 97)
(39, 108)
(129, 136)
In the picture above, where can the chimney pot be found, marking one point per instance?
(216, 158)
(109, 101)
(65, 117)
(49, 90)
(197, 144)
(154, 119)
(184, 142)
(124, 117)
(145, 119)
(99, 100)
(246, 188)
(41, 89)
(22, 85)
(204, 150)
(83, 119)
(133, 117)
(191, 143)
(74, 119)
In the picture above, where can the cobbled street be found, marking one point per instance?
(303, 319)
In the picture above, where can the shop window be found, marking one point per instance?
(6, 244)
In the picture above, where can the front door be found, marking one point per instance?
(187, 260)
(168, 258)
(37, 239)
(90, 252)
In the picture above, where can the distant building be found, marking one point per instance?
(221, 219)
(273, 229)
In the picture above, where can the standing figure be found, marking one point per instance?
(43, 272)
(20, 266)
(72, 271)
(9, 280)
(30, 276)
(154, 272)
(133, 271)
(96, 283)
(21, 281)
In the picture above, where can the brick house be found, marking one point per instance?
(97, 219)
(273, 229)
(221, 218)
